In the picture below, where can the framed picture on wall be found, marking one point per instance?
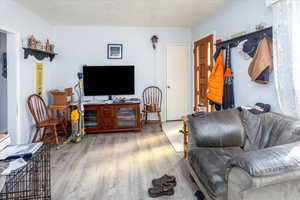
(114, 51)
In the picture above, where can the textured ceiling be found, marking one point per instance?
(124, 12)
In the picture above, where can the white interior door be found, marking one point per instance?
(177, 83)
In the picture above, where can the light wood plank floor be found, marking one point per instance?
(117, 166)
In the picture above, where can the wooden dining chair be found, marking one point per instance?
(43, 120)
(152, 98)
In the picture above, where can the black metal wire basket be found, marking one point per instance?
(33, 181)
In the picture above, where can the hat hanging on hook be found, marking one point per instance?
(154, 40)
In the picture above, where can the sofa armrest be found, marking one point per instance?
(217, 129)
(239, 182)
(269, 161)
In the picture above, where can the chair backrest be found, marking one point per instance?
(152, 98)
(38, 108)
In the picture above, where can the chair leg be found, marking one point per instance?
(65, 129)
(160, 123)
(35, 135)
(142, 120)
(146, 117)
(65, 121)
(56, 137)
(44, 133)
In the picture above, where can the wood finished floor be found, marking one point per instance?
(117, 166)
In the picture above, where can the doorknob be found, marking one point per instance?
(168, 87)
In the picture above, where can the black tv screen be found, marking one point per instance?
(108, 80)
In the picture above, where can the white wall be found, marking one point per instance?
(3, 86)
(21, 23)
(240, 16)
(88, 45)
(77, 46)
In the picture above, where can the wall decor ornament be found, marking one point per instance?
(154, 40)
(114, 51)
(39, 79)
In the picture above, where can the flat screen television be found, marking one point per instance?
(108, 80)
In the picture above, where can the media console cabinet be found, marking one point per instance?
(102, 118)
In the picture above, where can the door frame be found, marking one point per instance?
(164, 82)
(13, 83)
(213, 33)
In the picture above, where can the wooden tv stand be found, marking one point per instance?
(102, 118)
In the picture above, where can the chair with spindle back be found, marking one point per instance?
(43, 120)
(152, 98)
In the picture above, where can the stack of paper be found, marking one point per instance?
(19, 151)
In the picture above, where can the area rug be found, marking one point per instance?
(172, 131)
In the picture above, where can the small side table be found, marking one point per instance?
(185, 133)
(55, 113)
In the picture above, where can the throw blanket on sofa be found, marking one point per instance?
(268, 130)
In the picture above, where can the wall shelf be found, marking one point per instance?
(38, 54)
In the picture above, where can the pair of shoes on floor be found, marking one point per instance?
(162, 186)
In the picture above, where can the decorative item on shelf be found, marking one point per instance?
(154, 40)
(33, 43)
(260, 26)
(52, 48)
(47, 46)
(218, 41)
(39, 45)
(238, 34)
(114, 51)
(38, 50)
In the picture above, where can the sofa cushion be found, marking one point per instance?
(217, 129)
(269, 161)
(269, 129)
(210, 166)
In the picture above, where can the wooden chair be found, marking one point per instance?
(43, 120)
(152, 98)
(61, 101)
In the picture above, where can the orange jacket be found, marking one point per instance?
(216, 81)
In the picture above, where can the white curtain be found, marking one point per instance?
(286, 39)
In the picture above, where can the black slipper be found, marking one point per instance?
(199, 195)
(163, 190)
(165, 179)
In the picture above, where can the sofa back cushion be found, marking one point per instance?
(217, 129)
(269, 129)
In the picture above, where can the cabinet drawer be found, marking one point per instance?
(107, 112)
(107, 123)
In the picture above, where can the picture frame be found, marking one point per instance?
(115, 51)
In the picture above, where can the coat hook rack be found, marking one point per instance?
(267, 32)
